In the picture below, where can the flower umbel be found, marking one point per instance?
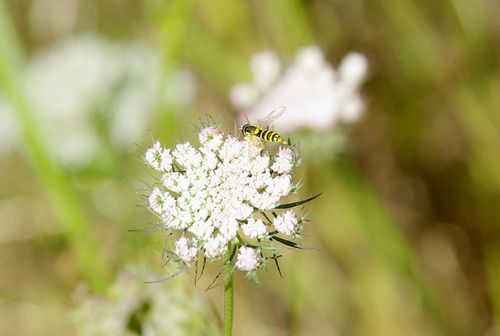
(309, 83)
(221, 197)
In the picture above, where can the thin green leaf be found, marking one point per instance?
(255, 278)
(195, 271)
(245, 243)
(232, 254)
(277, 265)
(294, 204)
(290, 243)
(167, 278)
(203, 266)
(154, 228)
(265, 216)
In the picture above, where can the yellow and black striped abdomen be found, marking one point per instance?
(270, 136)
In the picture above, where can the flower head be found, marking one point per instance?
(175, 311)
(215, 197)
(123, 77)
(315, 94)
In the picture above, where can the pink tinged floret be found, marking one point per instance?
(286, 153)
(186, 249)
(248, 259)
(284, 161)
(208, 134)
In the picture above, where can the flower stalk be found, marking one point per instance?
(228, 298)
(222, 200)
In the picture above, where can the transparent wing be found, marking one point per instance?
(272, 116)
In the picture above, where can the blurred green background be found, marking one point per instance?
(408, 226)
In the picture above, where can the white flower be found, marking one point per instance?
(254, 228)
(212, 191)
(211, 138)
(215, 247)
(284, 161)
(160, 201)
(159, 158)
(282, 185)
(316, 96)
(265, 68)
(287, 223)
(173, 311)
(186, 155)
(186, 249)
(248, 259)
(353, 69)
(243, 95)
(310, 58)
(86, 76)
(353, 109)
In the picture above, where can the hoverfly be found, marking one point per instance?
(265, 134)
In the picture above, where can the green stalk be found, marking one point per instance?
(228, 299)
(60, 193)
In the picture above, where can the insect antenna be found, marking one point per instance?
(246, 117)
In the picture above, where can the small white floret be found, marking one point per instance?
(215, 247)
(254, 228)
(159, 158)
(186, 249)
(248, 259)
(287, 223)
(284, 161)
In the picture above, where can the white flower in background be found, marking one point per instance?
(86, 85)
(266, 67)
(131, 307)
(315, 95)
(211, 194)
(287, 223)
(248, 259)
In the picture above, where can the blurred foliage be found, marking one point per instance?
(407, 227)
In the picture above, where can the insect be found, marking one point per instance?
(265, 134)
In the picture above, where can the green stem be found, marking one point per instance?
(60, 192)
(228, 300)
